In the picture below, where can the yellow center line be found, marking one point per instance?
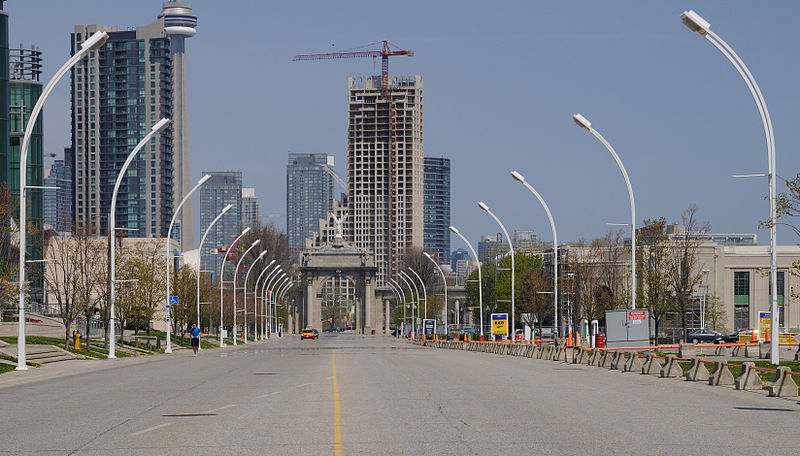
(337, 429)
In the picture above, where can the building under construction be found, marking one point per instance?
(385, 168)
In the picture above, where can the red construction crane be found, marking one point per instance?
(384, 54)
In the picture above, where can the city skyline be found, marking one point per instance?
(631, 70)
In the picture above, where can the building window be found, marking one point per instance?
(741, 299)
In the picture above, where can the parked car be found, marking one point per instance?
(740, 335)
(706, 335)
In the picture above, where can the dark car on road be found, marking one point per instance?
(735, 337)
(706, 335)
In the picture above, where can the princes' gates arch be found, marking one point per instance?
(372, 304)
(340, 260)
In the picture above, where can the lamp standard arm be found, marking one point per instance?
(696, 23)
(200, 250)
(160, 125)
(480, 280)
(517, 176)
(511, 249)
(424, 291)
(92, 43)
(235, 276)
(202, 181)
(222, 281)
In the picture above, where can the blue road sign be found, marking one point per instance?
(173, 300)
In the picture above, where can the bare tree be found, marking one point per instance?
(415, 259)
(88, 257)
(63, 281)
(9, 251)
(653, 266)
(685, 273)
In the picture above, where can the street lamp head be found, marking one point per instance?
(483, 206)
(271, 263)
(94, 42)
(427, 255)
(160, 125)
(227, 208)
(517, 176)
(204, 179)
(453, 229)
(695, 22)
(582, 122)
(263, 252)
(255, 243)
(245, 231)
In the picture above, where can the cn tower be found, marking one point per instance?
(180, 23)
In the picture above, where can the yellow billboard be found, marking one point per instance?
(499, 323)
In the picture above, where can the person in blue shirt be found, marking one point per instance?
(195, 332)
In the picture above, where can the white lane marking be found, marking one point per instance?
(304, 384)
(221, 408)
(152, 428)
(329, 378)
(268, 394)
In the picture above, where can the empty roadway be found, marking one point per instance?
(278, 398)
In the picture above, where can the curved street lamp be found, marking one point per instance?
(417, 305)
(222, 281)
(424, 291)
(401, 296)
(157, 128)
(277, 271)
(269, 288)
(520, 178)
(246, 278)
(91, 44)
(584, 123)
(444, 281)
(483, 206)
(235, 276)
(700, 25)
(200, 254)
(169, 257)
(414, 301)
(480, 280)
(255, 291)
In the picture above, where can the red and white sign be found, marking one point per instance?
(637, 315)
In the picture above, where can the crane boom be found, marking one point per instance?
(384, 53)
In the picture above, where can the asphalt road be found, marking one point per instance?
(353, 395)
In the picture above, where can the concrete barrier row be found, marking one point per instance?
(632, 361)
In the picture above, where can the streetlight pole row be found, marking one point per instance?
(444, 282)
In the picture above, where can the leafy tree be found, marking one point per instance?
(142, 296)
(185, 288)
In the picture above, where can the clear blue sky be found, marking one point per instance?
(501, 82)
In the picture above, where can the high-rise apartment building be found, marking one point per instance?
(385, 168)
(57, 202)
(309, 195)
(437, 207)
(250, 215)
(180, 23)
(118, 93)
(458, 255)
(25, 66)
(224, 187)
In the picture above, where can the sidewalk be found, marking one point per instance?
(78, 367)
